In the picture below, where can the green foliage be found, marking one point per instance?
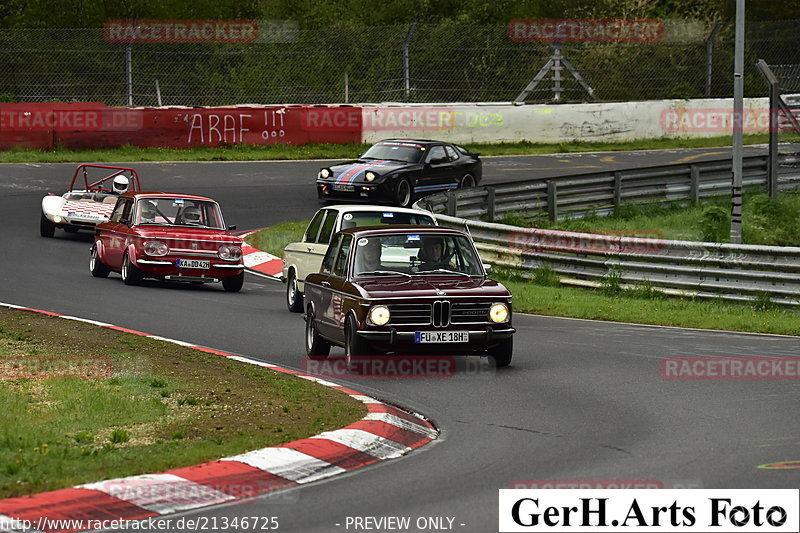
(611, 284)
(763, 302)
(119, 436)
(645, 289)
(715, 224)
(546, 276)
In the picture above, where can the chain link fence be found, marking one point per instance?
(403, 63)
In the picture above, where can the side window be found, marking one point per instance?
(340, 265)
(313, 227)
(127, 212)
(116, 215)
(437, 152)
(327, 261)
(327, 227)
(452, 155)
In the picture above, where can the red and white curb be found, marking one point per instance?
(260, 262)
(385, 433)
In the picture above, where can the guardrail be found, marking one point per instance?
(697, 269)
(604, 192)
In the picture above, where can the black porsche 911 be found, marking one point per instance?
(399, 171)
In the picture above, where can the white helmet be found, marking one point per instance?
(191, 215)
(120, 184)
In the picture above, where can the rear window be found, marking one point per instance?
(360, 219)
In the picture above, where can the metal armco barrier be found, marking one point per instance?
(699, 269)
(603, 192)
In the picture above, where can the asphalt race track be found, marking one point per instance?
(582, 400)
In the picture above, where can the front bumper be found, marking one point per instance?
(477, 338)
(167, 269)
(360, 192)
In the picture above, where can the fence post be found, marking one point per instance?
(158, 94)
(617, 190)
(694, 187)
(346, 88)
(710, 55)
(490, 204)
(552, 200)
(406, 66)
(129, 74)
(451, 204)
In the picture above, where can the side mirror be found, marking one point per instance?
(487, 267)
(232, 227)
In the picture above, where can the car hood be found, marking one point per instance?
(354, 171)
(430, 286)
(187, 234)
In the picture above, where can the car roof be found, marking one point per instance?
(361, 208)
(154, 194)
(365, 231)
(414, 141)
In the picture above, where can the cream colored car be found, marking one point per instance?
(303, 258)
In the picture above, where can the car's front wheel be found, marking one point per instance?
(316, 347)
(96, 266)
(294, 298)
(130, 274)
(46, 227)
(233, 283)
(503, 352)
(467, 181)
(404, 193)
(354, 346)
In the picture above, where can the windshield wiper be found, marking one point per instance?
(155, 224)
(443, 271)
(384, 273)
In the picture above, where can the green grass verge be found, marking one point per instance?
(640, 304)
(764, 221)
(163, 406)
(237, 152)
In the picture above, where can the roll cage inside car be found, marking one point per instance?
(97, 186)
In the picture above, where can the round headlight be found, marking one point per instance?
(370, 176)
(379, 315)
(229, 253)
(498, 313)
(156, 248)
(57, 219)
(325, 173)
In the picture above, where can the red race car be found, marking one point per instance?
(167, 236)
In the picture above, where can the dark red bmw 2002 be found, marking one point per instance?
(167, 236)
(406, 289)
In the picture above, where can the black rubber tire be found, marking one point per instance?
(294, 298)
(130, 274)
(234, 283)
(503, 352)
(96, 266)
(467, 181)
(71, 229)
(404, 193)
(354, 346)
(46, 227)
(317, 348)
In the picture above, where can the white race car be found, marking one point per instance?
(88, 206)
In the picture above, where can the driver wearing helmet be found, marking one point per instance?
(191, 215)
(120, 185)
(147, 212)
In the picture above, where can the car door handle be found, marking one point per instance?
(325, 283)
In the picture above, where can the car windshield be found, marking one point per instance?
(415, 254)
(405, 152)
(359, 219)
(169, 211)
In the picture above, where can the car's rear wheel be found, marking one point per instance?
(233, 283)
(130, 274)
(404, 193)
(294, 298)
(96, 266)
(316, 347)
(503, 352)
(467, 181)
(46, 227)
(354, 346)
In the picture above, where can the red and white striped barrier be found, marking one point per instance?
(385, 433)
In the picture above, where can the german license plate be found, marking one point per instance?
(193, 263)
(344, 188)
(423, 337)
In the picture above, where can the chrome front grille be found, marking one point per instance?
(470, 312)
(410, 314)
